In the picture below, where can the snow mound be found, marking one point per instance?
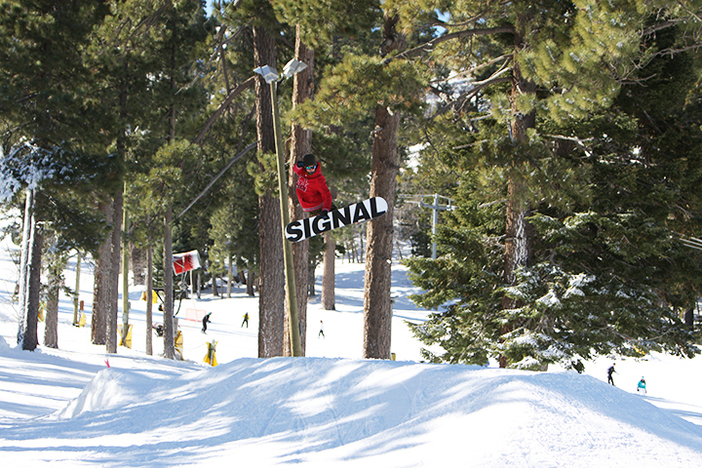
(380, 413)
(109, 389)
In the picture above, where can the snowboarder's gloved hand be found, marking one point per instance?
(300, 164)
(325, 212)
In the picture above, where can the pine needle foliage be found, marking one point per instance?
(609, 172)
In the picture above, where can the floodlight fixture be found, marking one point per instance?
(292, 67)
(268, 73)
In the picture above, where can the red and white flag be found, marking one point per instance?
(186, 261)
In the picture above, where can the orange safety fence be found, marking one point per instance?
(195, 315)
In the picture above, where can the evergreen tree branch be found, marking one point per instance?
(690, 12)
(673, 51)
(430, 45)
(220, 43)
(471, 20)
(649, 31)
(472, 71)
(146, 24)
(580, 142)
(477, 85)
(465, 97)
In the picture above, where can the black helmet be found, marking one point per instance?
(309, 160)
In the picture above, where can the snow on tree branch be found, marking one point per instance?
(26, 165)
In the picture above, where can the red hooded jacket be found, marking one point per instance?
(312, 190)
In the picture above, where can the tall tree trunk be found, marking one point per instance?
(125, 281)
(517, 230)
(689, 318)
(271, 294)
(328, 277)
(101, 297)
(329, 274)
(116, 241)
(149, 301)
(56, 263)
(25, 262)
(138, 257)
(230, 274)
(361, 249)
(311, 267)
(250, 281)
(377, 307)
(272, 270)
(303, 90)
(516, 242)
(76, 297)
(168, 331)
(111, 339)
(30, 340)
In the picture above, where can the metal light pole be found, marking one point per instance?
(271, 76)
(436, 206)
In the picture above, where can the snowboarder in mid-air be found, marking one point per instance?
(316, 200)
(205, 321)
(312, 191)
(610, 371)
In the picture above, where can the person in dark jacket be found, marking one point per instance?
(610, 371)
(312, 190)
(205, 321)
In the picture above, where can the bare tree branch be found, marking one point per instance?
(476, 87)
(225, 169)
(506, 57)
(221, 108)
(580, 142)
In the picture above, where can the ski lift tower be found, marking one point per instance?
(691, 318)
(441, 203)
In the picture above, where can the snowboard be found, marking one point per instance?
(358, 212)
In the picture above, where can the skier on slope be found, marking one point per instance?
(205, 321)
(312, 190)
(610, 371)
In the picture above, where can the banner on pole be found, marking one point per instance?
(186, 261)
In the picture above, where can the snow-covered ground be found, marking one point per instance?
(66, 407)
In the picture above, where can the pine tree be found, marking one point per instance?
(49, 124)
(233, 224)
(363, 89)
(317, 26)
(148, 53)
(589, 284)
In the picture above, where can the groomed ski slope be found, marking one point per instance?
(334, 412)
(337, 412)
(67, 408)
